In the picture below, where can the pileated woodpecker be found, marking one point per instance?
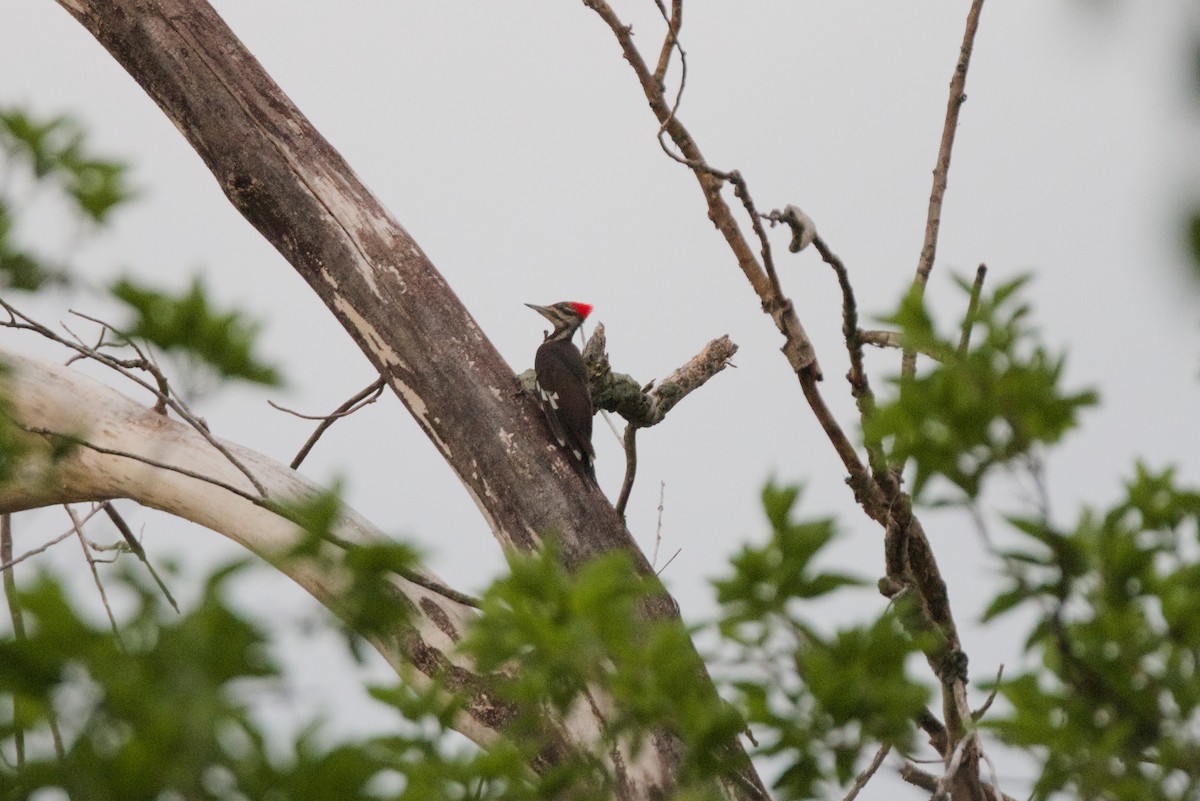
(562, 383)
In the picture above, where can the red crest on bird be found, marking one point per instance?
(583, 309)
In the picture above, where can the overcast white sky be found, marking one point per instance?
(512, 141)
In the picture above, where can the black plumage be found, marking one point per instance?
(562, 384)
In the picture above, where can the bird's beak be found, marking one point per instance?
(542, 310)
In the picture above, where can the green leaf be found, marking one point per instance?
(18, 268)
(56, 148)
(766, 579)
(968, 412)
(188, 324)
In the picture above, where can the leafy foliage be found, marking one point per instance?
(55, 154)
(978, 407)
(1113, 704)
(816, 700)
(163, 709)
(224, 341)
(554, 638)
(55, 149)
(367, 603)
(20, 269)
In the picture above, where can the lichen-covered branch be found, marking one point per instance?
(644, 405)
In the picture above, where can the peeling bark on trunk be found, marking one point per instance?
(300, 194)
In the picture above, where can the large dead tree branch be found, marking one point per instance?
(163, 464)
(288, 182)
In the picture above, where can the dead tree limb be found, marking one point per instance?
(299, 193)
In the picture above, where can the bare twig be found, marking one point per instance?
(956, 760)
(891, 339)
(674, 22)
(928, 782)
(18, 624)
(21, 321)
(414, 576)
(363, 397)
(865, 776)
(979, 713)
(941, 171)
(87, 554)
(136, 547)
(439, 588)
(742, 191)
(667, 564)
(1037, 472)
(630, 469)
(999, 796)
(936, 731)
(798, 348)
(881, 339)
(255, 499)
(866, 491)
(662, 491)
(860, 385)
(145, 360)
(964, 341)
(9, 564)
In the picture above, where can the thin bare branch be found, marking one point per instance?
(891, 339)
(352, 405)
(136, 547)
(662, 491)
(8, 564)
(18, 624)
(995, 788)
(964, 340)
(935, 730)
(363, 397)
(798, 348)
(941, 171)
(742, 192)
(87, 554)
(74, 440)
(630, 441)
(145, 361)
(866, 491)
(441, 589)
(979, 713)
(860, 385)
(674, 21)
(865, 776)
(667, 564)
(880, 339)
(20, 321)
(929, 782)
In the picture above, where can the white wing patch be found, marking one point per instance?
(549, 397)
